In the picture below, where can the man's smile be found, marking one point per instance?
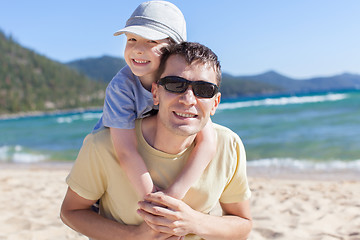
(185, 115)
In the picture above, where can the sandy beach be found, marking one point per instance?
(284, 206)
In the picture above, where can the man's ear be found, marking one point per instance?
(154, 91)
(216, 103)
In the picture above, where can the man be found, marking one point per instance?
(187, 95)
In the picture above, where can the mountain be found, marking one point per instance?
(275, 79)
(102, 69)
(269, 83)
(31, 82)
(232, 87)
(287, 85)
(342, 81)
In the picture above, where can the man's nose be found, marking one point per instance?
(188, 97)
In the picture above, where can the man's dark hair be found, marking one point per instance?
(192, 52)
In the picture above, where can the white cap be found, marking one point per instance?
(156, 20)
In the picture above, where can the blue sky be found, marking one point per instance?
(299, 39)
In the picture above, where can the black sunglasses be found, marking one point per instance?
(177, 84)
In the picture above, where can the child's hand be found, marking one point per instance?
(156, 189)
(169, 191)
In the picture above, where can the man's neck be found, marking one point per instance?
(162, 139)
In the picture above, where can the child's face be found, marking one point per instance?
(143, 55)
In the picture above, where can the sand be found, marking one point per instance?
(284, 206)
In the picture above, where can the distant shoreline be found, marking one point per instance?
(41, 113)
(224, 101)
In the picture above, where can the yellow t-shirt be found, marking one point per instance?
(96, 174)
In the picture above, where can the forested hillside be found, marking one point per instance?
(31, 82)
(102, 69)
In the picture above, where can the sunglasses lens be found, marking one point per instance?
(205, 90)
(179, 85)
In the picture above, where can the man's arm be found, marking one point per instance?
(76, 213)
(179, 219)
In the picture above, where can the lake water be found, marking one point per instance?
(310, 131)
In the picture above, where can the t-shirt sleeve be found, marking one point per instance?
(237, 189)
(87, 177)
(119, 106)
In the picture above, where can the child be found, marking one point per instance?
(152, 25)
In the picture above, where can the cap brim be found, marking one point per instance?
(142, 31)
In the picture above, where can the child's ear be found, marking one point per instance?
(154, 91)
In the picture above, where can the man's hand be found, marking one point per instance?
(168, 215)
(76, 213)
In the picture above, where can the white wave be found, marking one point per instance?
(4, 152)
(80, 116)
(28, 158)
(19, 154)
(284, 101)
(297, 164)
(68, 119)
(91, 116)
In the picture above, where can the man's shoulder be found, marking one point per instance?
(99, 138)
(225, 132)
(228, 139)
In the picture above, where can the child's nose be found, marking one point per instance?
(139, 49)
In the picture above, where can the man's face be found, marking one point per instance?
(183, 113)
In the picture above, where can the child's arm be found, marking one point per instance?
(201, 155)
(125, 145)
